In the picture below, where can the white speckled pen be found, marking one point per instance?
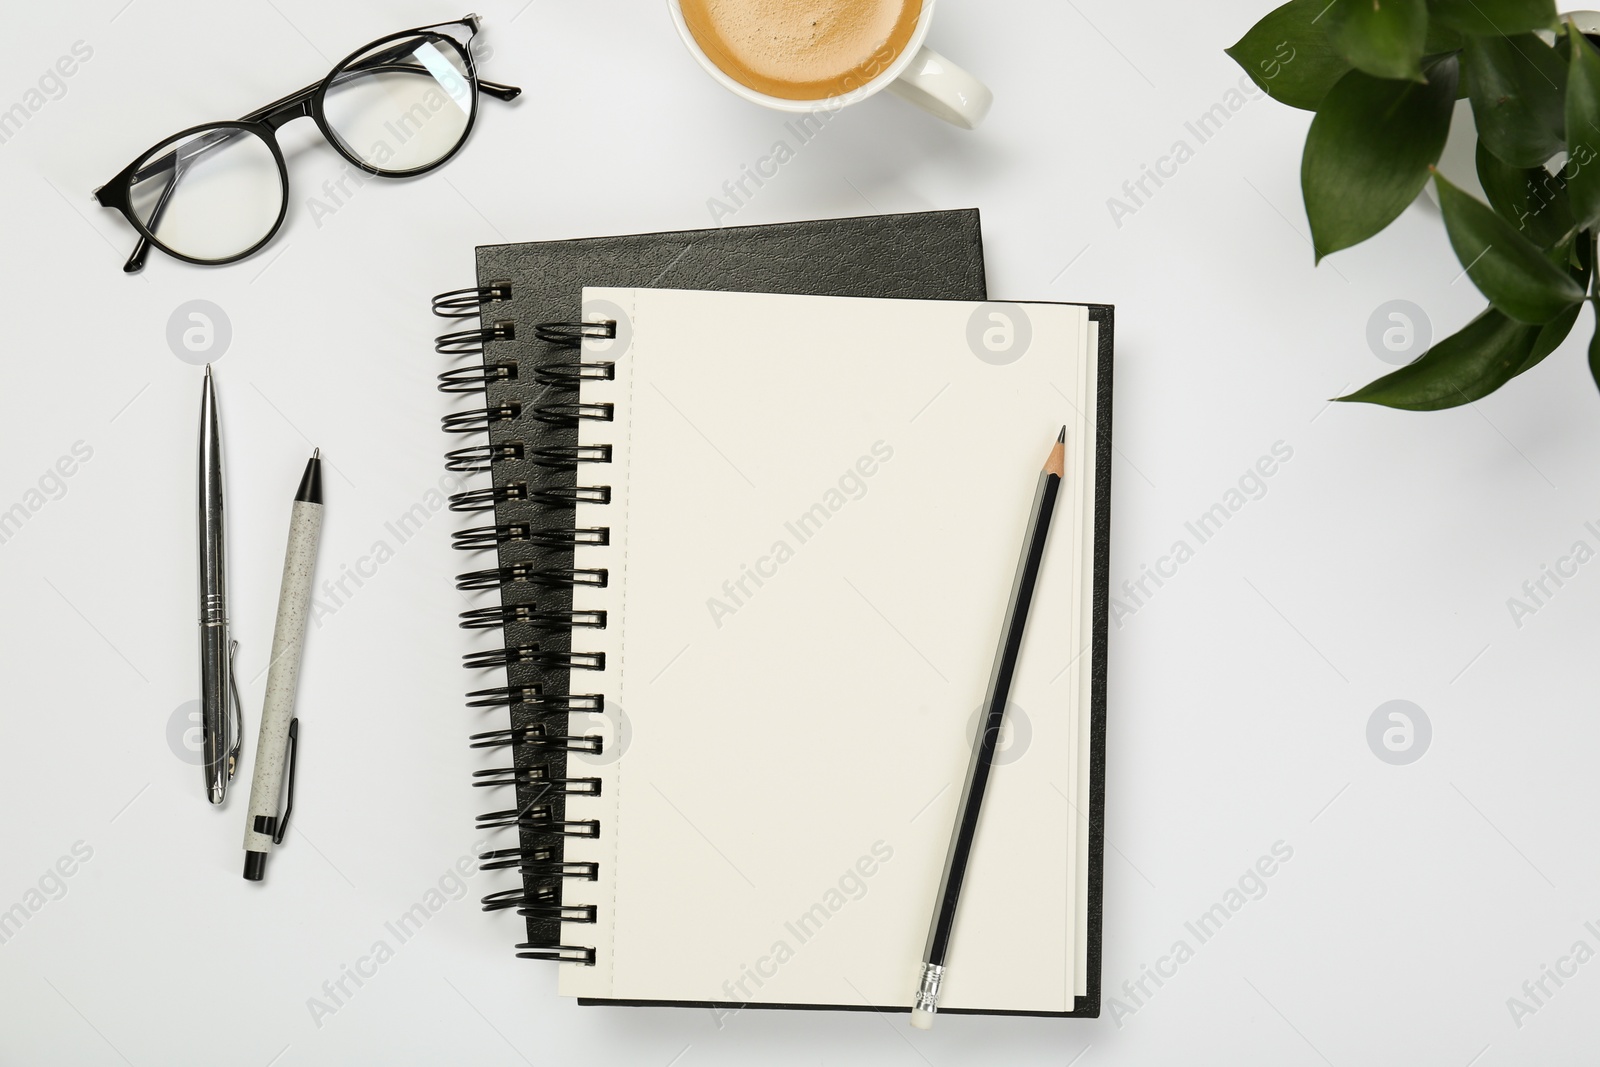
(280, 729)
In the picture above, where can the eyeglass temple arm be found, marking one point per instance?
(499, 90)
(179, 162)
(383, 62)
(135, 261)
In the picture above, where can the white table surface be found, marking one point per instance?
(1376, 566)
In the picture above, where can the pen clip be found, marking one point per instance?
(238, 714)
(288, 798)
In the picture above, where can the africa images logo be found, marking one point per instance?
(1399, 732)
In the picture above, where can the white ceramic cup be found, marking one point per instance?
(918, 74)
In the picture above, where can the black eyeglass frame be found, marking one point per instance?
(264, 123)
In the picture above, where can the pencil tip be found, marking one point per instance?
(316, 453)
(1056, 462)
(208, 370)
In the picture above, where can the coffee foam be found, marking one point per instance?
(802, 49)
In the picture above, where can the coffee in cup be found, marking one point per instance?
(802, 49)
(804, 55)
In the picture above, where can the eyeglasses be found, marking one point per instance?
(216, 193)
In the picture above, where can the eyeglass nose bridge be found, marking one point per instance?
(300, 109)
(279, 113)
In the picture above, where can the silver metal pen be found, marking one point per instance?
(220, 721)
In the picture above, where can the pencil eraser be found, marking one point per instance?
(921, 1020)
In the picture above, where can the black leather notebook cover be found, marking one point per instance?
(932, 255)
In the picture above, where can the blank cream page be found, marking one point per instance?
(817, 506)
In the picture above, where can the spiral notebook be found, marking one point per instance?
(921, 254)
(736, 730)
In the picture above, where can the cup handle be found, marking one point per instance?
(935, 84)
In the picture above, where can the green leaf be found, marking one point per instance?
(1550, 336)
(1564, 254)
(1506, 267)
(1531, 199)
(1382, 37)
(1288, 54)
(1583, 129)
(1518, 87)
(1580, 256)
(1368, 152)
(1594, 348)
(1440, 38)
(1552, 333)
(1495, 18)
(1471, 363)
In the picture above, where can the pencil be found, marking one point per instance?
(926, 1002)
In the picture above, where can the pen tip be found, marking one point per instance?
(1061, 438)
(310, 489)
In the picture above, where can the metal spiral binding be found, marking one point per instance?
(543, 904)
(485, 499)
(535, 736)
(478, 420)
(561, 414)
(500, 859)
(471, 342)
(566, 913)
(571, 334)
(545, 823)
(540, 859)
(518, 898)
(524, 572)
(570, 496)
(480, 459)
(570, 375)
(530, 950)
(465, 303)
(476, 379)
(529, 615)
(533, 655)
(531, 697)
(538, 774)
(567, 459)
(561, 496)
(535, 552)
(506, 533)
